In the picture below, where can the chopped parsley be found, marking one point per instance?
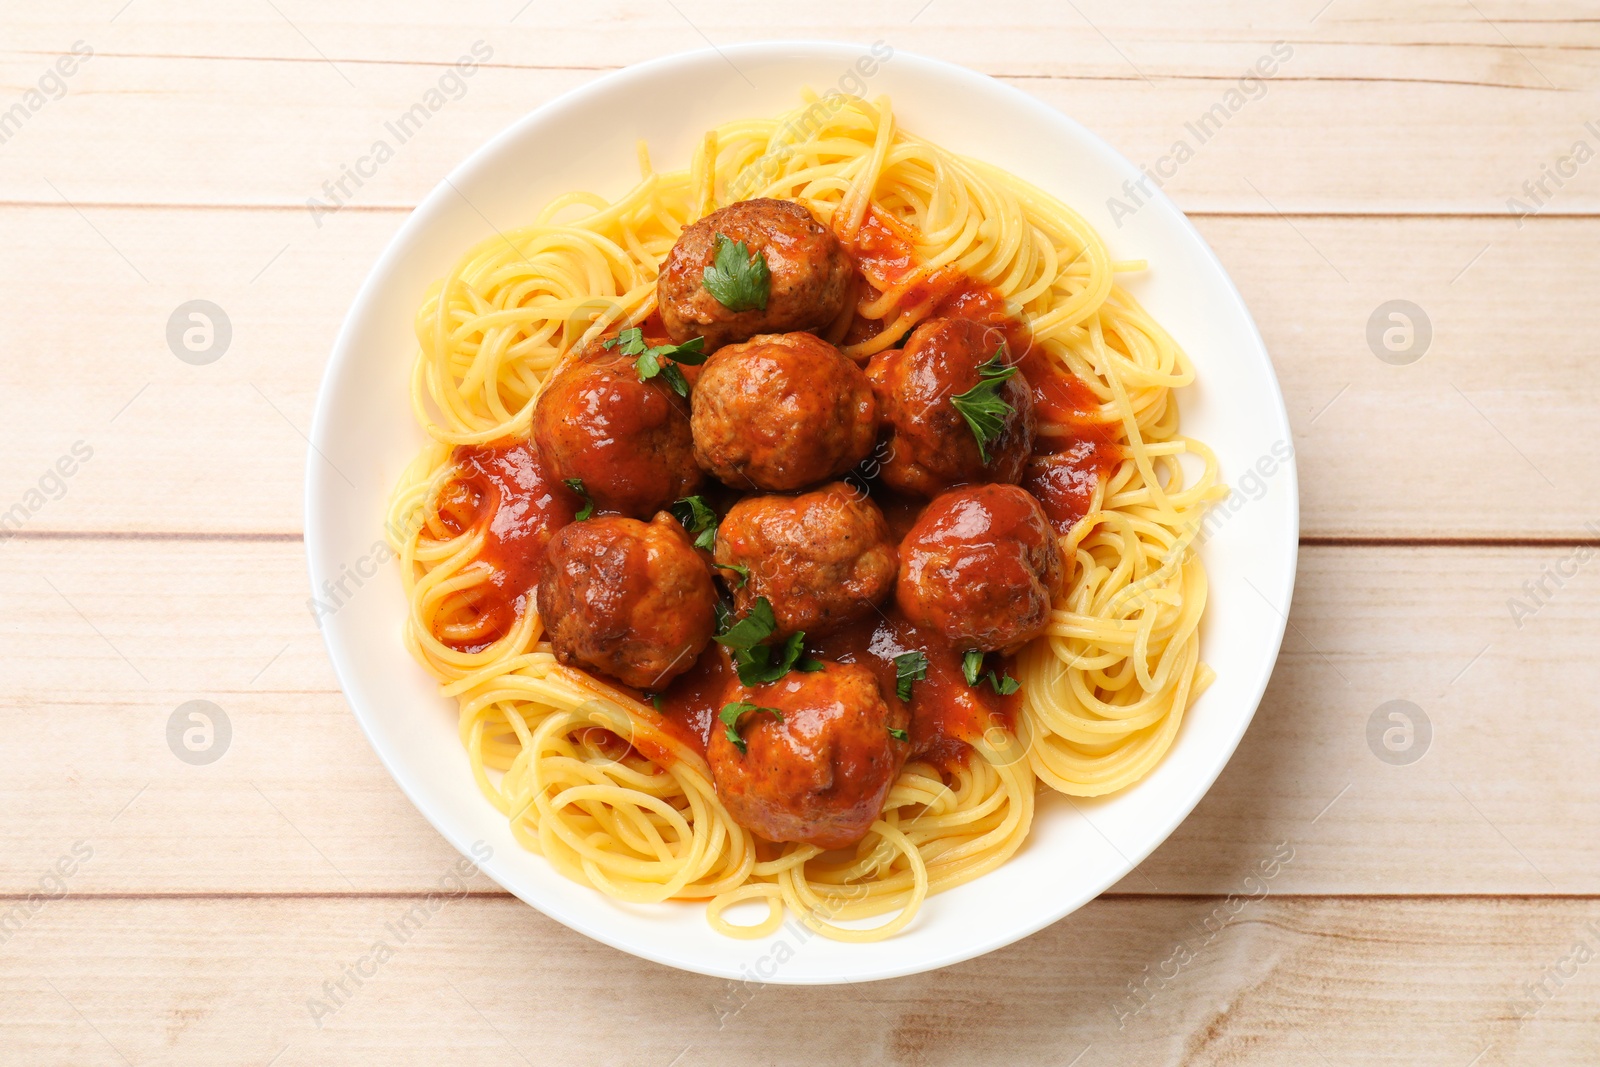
(576, 485)
(972, 666)
(972, 670)
(738, 278)
(982, 407)
(757, 663)
(648, 364)
(908, 667)
(899, 735)
(1004, 684)
(738, 568)
(697, 518)
(731, 714)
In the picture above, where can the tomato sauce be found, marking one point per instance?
(884, 252)
(504, 490)
(948, 716)
(1064, 481)
(689, 705)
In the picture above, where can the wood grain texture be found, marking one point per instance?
(1417, 107)
(1490, 412)
(1424, 904)
(1504, 800)
(490, 981)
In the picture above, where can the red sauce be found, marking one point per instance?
(1061, 398)
(689, 706)
(900, 512)
(1064, 481)
(883, 249)
(948, 716)
(504, 490)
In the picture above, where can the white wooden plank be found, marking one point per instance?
(1417, 107)
(1474, 439)
(1502, 801)
(490, 981)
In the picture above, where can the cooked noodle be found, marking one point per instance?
(583, 770)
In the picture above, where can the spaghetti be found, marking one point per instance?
(596, 779)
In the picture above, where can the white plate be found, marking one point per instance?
(364, 435)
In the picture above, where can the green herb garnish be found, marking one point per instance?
(972, 670)
(738, 568)
(1004, 684)
(731, 714)
(697, 518)
(760, 664)
(908, 667)
(899, 735)
(981, 405)
(576, 485)
(648, 364)
(750, 631)
(738, 278)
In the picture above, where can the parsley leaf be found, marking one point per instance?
(738, 568)
(674, 379)
(631, 340)
(697, 518)
(981, 405)
(738, 279)
(1004, 684)
(691, 352)
(899, 735)
(757, 663)
(731, 714)
(751, 630)
(972, 666)
(908, 667)
(576, 485)
(972, 670)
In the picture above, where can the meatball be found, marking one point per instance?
(628, 441)
(627, 598)
(810, 274)
(930, 446)
(780, 412)
(981, 566)
(820, 774)
(821, 558)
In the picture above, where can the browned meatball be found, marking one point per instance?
(810, 274)
(981, 566)
(782, 411)
(820, 558)
(930, 446)
(628, 441)
(821, 774)
(626, 598)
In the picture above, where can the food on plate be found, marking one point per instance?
(792, 518)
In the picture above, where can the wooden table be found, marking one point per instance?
(206, 904)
